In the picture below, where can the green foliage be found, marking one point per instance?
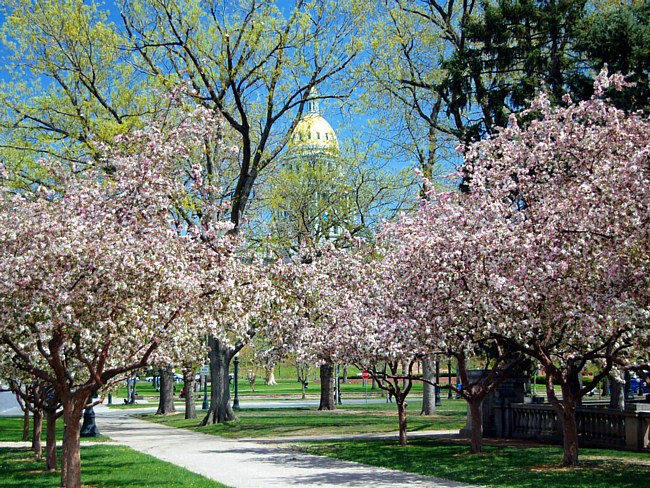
(497, 466)
(316, 197)
(103, 466)
(74, 87)
(523, 46)
(619, 36)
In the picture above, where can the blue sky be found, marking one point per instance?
(334, 111)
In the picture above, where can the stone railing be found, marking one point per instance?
(598, 426)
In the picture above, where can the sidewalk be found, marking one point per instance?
(250, 463)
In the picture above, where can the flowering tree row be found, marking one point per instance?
(547, 257)
(109, 269)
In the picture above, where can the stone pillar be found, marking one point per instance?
(637, 426)
(512, 390)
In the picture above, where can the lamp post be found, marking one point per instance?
(206, 374)
(134, 390)
(338, 386)
(438, 403)
(89, 427)
(449, 395)
(206, 404)
(235, 403)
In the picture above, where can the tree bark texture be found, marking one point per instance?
(575, 384)
(220, 410)
(327, 387)
(566, 411)
(188, 386)
(570, 432)
(401, 414)
(73, 408)
(25, 424)
(166, 402)
(37, 436)
(50, 441)
(476, 441)
(428, 391)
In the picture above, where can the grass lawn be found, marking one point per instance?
(101, 466)
(498, 466)
(347, 419)
(11, 430)
(284, 388)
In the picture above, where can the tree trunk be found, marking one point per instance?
(166, 403)
(188, 385)
(71, 469)
(400, 400)
(37, 438)
(220, 410)
(570, 433)
(50, 441)
(345, 374)
(25, 424)
(429, 391)
(566, 411)
(574, 379)
(270, 377)
(327, 387)
(617, 393)
(476, 442)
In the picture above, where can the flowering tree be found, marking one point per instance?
(331, 307)
(439, 262)
(99, 271)
(571, 278)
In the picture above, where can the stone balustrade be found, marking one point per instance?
(507, 413)
(598, 426)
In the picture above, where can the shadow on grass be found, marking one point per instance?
(261, 423)
(512, 467)
(102, 466)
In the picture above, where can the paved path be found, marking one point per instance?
(250, 463)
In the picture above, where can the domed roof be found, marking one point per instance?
(313, 132)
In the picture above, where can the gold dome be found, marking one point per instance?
(313, 132)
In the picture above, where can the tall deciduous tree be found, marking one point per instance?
(70, 85)
(255, 64)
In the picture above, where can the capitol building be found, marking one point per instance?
(314, 204)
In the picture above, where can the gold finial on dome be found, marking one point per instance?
(312, 102)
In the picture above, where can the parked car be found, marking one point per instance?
(638, 385)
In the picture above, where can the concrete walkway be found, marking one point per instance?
(250, 463)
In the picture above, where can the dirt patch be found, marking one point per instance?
(487, 441)
(560, 469)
